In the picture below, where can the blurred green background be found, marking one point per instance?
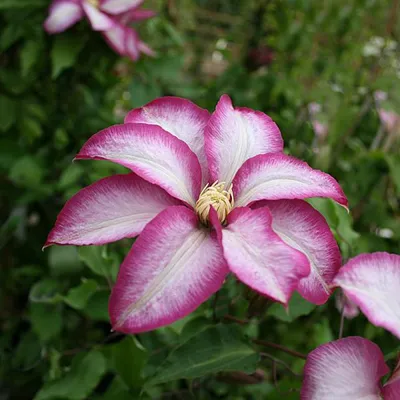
(324, 71)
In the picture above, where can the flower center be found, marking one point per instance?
(94, 3)
(217, 197)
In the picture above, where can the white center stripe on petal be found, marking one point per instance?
(172, 269)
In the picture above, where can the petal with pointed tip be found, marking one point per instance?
(99, 20)
(139, 15)
(151, 153)
(110, 209)
(259, 258)
(119, 6)
(116, 39)
(173, 267)
(181, 118)
(233, 135)
(372, 282)
(62, 15)
(302, 227)
(278, 176)
(131, 43)
(347, 369)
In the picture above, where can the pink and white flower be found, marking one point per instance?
(194, 200)
(111, 17)
(372, 282)
(348, 369)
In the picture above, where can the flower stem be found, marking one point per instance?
(293, 353)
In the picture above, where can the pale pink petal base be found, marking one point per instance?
(278, 176)
(62, 15)
(108, 210)
(259, 258)
(233, 135)
(372, 281)
(119, 6)
(99, 20)
(347, 369)
(152, 153)
(181, 118)
(302, 227)
(173, 267)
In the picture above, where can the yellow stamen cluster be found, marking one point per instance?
(94, 3)
(217, 197)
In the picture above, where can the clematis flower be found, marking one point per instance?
(348, 369)
(372, 282)
(111, 17)
(208, 195)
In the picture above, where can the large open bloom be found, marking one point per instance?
(349, 369)
(372, 282)
(111, 17)
(209, 195)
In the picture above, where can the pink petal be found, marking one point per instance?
(278, 176)
(302, 227)
(113, 208)
(345, 305)
(62, 15)
(181, 118)
(119, 6)
(131, 44)
(233, 135)
(347, 369)
(372, 282)
(259, 258)
(116, 38)
(139, 15)
(145, 49)
(98, 20)
(173, 267)
(152, 153)
(391, 391)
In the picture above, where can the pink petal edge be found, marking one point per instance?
(110, 209)
(172, 268)
(233, 135)
(278, 176)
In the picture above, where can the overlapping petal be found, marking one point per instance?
(152, 153)
(173, 267)
(372, 282)
(259, 258)
(233, 135)
(181, 118)
(110, 209)
(99, 20)
(119, 6)
(278, 176)
(305, 229)
(347, 369)
(138, 15)
(62, 15)
(391, 391)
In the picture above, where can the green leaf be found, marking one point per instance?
(128, 360)
(8, 112)
(64, 260)
(297, 307)
(78, 297)
(215, 349)
(97, 306)
(65, 52)
(6, 4)
(193, 327)
(29, 55)
(84, 375)
(46, 291)
(393, 162)
(27, 172)
(46, 320)
(92, 256)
